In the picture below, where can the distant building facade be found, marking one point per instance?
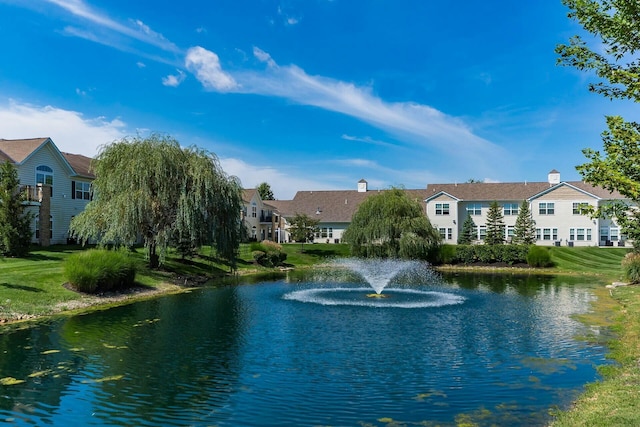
(58, 185)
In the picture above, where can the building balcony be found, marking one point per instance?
(31, 193)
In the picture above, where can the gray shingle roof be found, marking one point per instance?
(334, 206)
(16, 150)
(81, 164)
(517, 191)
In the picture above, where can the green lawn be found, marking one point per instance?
(603, 262)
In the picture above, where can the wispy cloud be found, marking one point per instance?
(137, 29)
(70, 130)
(174, 80)
(367, 140)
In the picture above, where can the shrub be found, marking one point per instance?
(466, 254)
(99, 270)
(447, 254)
(539, 257)
(268, 253)
(631, 267)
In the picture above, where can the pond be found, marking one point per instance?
(296, 351)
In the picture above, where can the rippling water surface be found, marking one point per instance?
(489, 351)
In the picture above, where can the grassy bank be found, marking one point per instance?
(33, 286)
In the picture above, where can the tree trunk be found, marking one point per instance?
(154, 259)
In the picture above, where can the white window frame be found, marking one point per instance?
(442, 209)
(511, 209)
(546, 208)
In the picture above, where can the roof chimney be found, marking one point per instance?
(554, 177)
(362, 186)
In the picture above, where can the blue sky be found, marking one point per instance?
(308, 94)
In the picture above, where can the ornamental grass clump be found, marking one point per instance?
(99, 270)
(631, 267)
(539, 257)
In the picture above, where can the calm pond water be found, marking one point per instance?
(493, 350)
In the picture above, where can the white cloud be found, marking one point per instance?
(367, 140)
(69, 130)
(206, 67)
(284, 185)
(138, 30)
(412, 122)
(174, 80)
(263, 56)
(141, 64)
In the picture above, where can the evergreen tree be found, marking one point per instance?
(495, 225)
(264, 190)
(524, 232)
(468, 233)
(15, 223)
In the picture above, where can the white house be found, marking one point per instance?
(58, 185)
(556, 206)
(260, 218)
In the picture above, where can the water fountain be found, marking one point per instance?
(396, 283)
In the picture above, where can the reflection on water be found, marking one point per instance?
(503, 354)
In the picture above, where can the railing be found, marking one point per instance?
(30, 193)
(266, 218)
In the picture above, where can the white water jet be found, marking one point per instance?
(378, 272)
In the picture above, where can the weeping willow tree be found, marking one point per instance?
(390, 224)
(151, 188)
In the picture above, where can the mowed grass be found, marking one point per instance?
(31, 285)
(603, 262)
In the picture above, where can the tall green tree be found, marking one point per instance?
(524, 232)
(154, 189)
(302, 228)
(390, 224)
(495, 225)
(15, 221)
(264, 190)
(468, 232)
(614, 60)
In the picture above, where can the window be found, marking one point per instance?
(546, 208)
(443, 232)
(511, 209)
(80, 190)
(580, 208)
(511, 231)
(323, 232)
(44, 175)
(254, 212)
(549, 234)
(538, 233)
(474, 209)
(614, 234)
(449, 233)
(580, 234)
(330, 231)
(483, 232)
(442, 208)
(604, 234)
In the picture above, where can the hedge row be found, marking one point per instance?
(535, 256)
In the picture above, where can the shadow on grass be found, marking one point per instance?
(320, 253)
(21, 287)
